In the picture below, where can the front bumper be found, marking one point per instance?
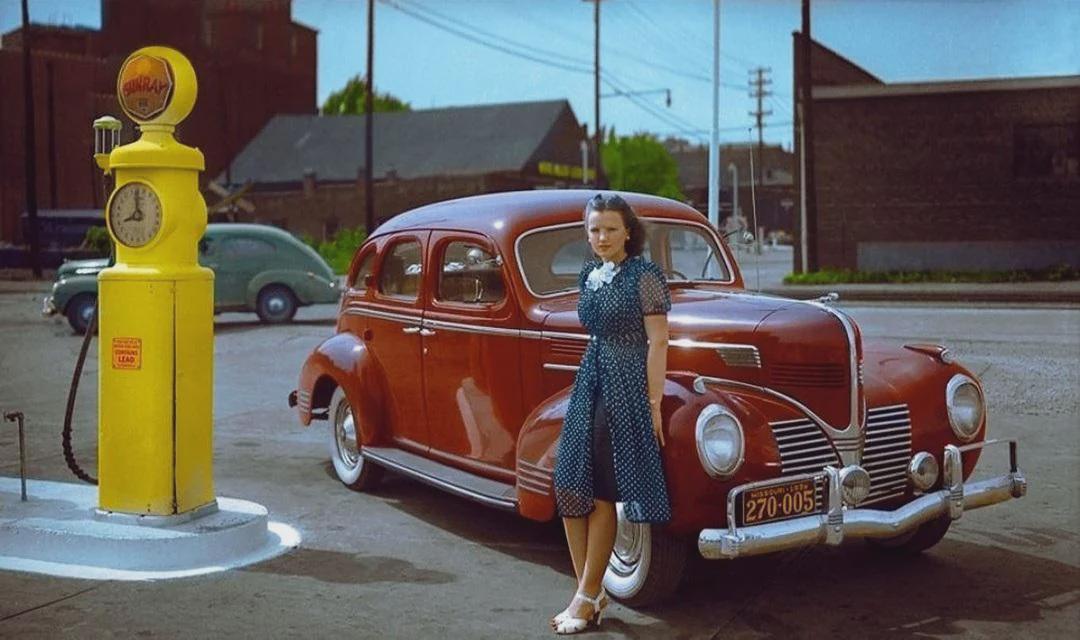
(839, 522)
(48, 307)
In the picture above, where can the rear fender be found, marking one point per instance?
(345, 361)
(285, 277)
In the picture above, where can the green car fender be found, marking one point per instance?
(308, 287)
(72, 286)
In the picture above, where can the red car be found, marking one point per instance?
(456, 347)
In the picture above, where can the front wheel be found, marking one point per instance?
(276, 304)
(647, 563)
(915, 541)
(351, 468)
(80, 310)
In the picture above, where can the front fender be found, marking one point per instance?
(304, 286)
(345, 361)
(72, 287)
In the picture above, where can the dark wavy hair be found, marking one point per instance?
(635, 244)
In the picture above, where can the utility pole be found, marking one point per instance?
(369, 108)
(30, 146)
(757, 90)
(596, 90)
(806, 136)
(714, 140)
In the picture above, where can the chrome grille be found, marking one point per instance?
(887, 451)
(740, 356)
(565, 347)
(804, 448)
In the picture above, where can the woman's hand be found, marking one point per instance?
(657, 423)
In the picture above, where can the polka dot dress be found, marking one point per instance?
(614, 365)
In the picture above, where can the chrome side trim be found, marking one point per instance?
(551, 366)
(568, 336)
(836, 523)
(733, 354)
(470, 328)
(355, 310)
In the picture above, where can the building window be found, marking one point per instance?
(258, 37)
(292, 45)
(1047, 151)
(208, 33)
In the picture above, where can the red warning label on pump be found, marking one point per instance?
(127, 353)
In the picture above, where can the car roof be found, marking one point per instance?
(504, 216)
(244, 229)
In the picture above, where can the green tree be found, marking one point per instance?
(349, 101)
(640, 163)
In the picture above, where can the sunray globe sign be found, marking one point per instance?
(145, 87)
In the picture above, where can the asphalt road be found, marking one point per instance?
(411, 562)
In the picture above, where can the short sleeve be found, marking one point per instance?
(653, 289)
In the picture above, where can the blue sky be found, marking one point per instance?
(656, 44)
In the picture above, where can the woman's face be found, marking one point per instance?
(607, 235)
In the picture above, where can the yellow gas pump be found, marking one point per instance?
(156, 341)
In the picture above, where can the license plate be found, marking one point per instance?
(779, 502)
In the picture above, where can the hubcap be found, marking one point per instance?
(275, 304)
(345, 432)
(87, 313)
(629, 545)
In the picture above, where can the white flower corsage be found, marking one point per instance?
(601, 275)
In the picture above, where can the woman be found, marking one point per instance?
(609, 449)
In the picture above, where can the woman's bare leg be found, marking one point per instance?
(577, 536)
(601, 540)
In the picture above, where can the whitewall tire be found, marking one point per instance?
(350, 466)
(646, 565)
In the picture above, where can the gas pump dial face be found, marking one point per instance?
(135, 214)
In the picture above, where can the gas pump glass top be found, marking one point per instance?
(135, 214)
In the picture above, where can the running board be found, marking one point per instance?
(462, 483)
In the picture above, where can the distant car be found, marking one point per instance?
(458, 342)
(256, 268)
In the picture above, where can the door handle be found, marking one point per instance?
(426, 332)
(411, 330)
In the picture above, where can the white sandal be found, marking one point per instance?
(565, 613)
(570, 625)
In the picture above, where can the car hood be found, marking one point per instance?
(81, 267)
(696, 314)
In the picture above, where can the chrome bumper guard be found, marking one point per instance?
(839, 521)
(48, 307)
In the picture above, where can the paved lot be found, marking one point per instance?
(412, 562)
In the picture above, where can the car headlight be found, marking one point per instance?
(966, 408)
(719, 439)
(854, 484)
(923, 470)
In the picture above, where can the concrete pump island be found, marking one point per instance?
(154, 513)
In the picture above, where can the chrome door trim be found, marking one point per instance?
(551, 366)
(355, 310)
(470, 328)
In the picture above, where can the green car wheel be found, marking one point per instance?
(276, 304)
(80, 310)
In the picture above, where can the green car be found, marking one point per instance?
(256, 268)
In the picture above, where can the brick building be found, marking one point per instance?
(956, 175)
(252, 62)
(773, 184)
(306, 173)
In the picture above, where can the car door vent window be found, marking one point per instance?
(470, 274)
(358, 278)
(400, 273)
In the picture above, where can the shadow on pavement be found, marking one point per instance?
(349, 568)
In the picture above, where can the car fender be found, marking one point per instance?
(345, 361)
(71, 287)
(285, 277)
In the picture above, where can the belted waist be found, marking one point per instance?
(623, 339)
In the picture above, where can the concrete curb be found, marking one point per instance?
(57, 532)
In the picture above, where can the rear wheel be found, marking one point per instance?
(646, 565)
(276, 304)
(350, 466)
(917, 540)
(80, 310)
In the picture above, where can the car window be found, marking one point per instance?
(470, 274)
(363, 270)
(247, 248)
(401, 269)
(551, 259)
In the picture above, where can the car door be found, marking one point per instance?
(241, 259)
(394, 312)
(472, 368)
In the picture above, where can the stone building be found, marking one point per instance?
(954, 175)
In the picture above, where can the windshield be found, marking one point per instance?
(551, 258)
